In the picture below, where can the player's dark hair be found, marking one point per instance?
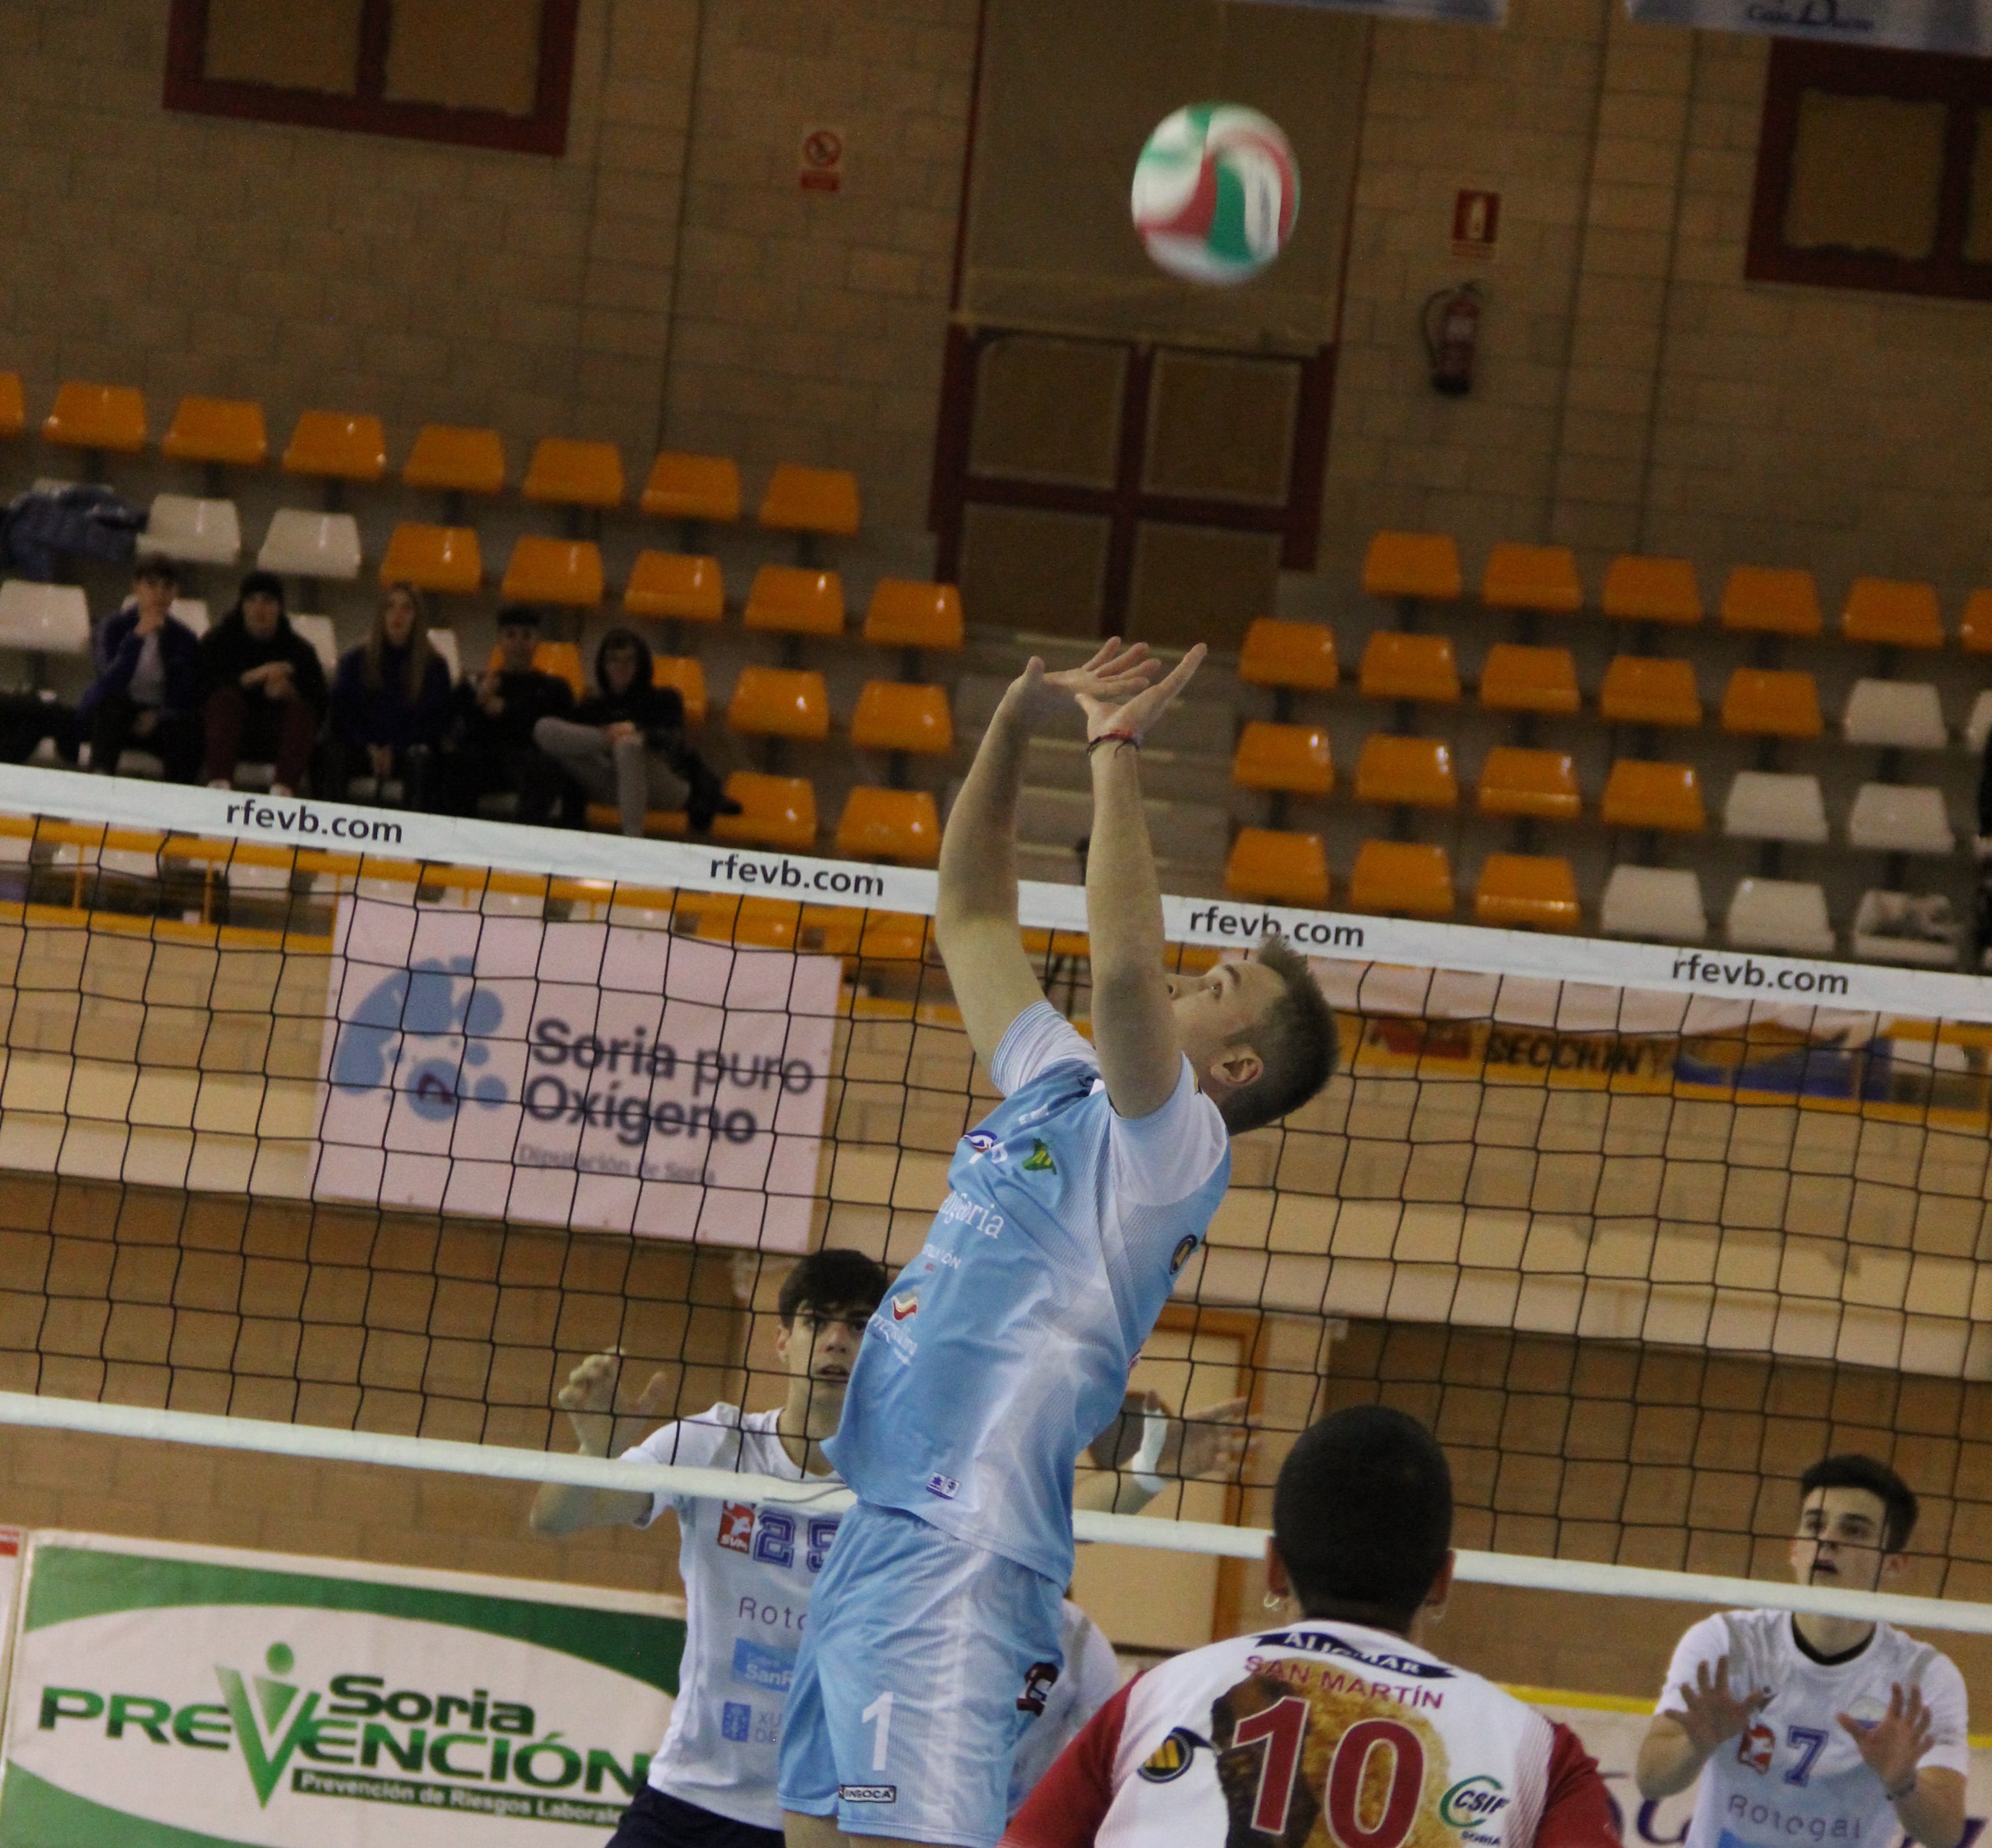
(1852, 1470)
(163, 570)
(832, 1279)
(1362, 1515)
(1297, 1042)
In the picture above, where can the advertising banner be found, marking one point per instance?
(1471, 12)
(173, 1696)
(1955, 25)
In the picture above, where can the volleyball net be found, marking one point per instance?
(345, 1133)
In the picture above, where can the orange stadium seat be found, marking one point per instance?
(684, 672)
(671, 824)
(1767, 702)
(1974, 632)
(895, 936)
(1771, 602)
(891, 716)
(97, 417)
(561, 659)
(1411, 667)
(342, 445)
(767, 923)
(440, 558)
(227, 431)
(1414, 771)
(566, 571)
(790, 601)
(1294, 759)
(1532, 577)
(1896, 614)
(1526, 891)
(1541, 783)
(1640, 795)
(811, 500)
(1637, 691)
(904, 613)
(903, 825)
(1515, 679)
(13, 405)
(776, 811)
(1299, 656)
(693, 487)
(779, 702)
(451, 460)
(1402, 876)
(568, 471)
(1652, 590)
(1278, 868)
(1423, 565)
(675, 587)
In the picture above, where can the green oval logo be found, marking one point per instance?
(1472, 1800)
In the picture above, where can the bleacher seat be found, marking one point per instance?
(1763, 702)
(1298, 657)
(766, 924)
(562, 660)
(302, 544)
(13, 405)
(776, 812)
(906, 613)
(1540, 783)
(1421, 565)
(1639, 794)
(1766, 601)
(693, 487)
(192, 531)
(1278, 867)
(790, 601)
(1651, 590)
(1978, 726)
(667, 824)
(1780, 914)
(222, 431)
(900, 825)
(448, 458)
(890, 716)
(675, 587)
(192, 611)
(894, 936)
(318, 631)
(1515, 679)
(1904, 927)
(1415, 772)
(1291, 759)
(442, 643)
(445, 559)
(1532, 577)
(1640, 691)
(1892, 613)
(687, 675)
(1899, 818)
(337, 445)
(1653, 901)
(110, 418)
(1402, 876)
(1527, 892)
(44, 619)
(1905, 715)
(1770, 805)
(563, 571)
(811, 500)
(567, 471)
(1974, 629)
(779, 702)
(1411, 667)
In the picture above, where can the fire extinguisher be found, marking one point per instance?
(1451, 323)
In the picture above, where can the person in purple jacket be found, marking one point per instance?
(389, 703)
(147, 691)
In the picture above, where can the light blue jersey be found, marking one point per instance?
(1004, 1347)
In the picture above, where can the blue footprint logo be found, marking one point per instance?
(432, 1000)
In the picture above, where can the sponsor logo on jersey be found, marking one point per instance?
(1039, 1161)
(736, 1526)
(736, 1721)
(1039, 1682)
(761, 1667)
(1180, 1256)
(905, 1306)
(1320, 1643)
(1172, 1758)
(947, 1488)
(983, 1144)
(1472, 1800)
(1756, 1747)
(868, 1793)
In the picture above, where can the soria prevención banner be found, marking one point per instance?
(1954, 25)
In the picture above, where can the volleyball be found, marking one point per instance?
(1216, 192)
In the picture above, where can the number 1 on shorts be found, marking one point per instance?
(880, 1711)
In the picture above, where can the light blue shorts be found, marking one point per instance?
(924, 1660)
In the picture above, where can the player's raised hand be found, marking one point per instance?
(591, 1387)
(1892, 1747)
(1136, 714)
(1211, 1441)
(1114, 672)
(1710, 1713)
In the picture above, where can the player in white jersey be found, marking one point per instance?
(749, 1567)
(1006, 1344)
(1814, 1730)
(1332, 1727)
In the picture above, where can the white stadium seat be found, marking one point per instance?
(1899, 818)
(1767, 804)
(1780, 914)
(1653, 901)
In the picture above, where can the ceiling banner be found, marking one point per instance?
(1954, 25)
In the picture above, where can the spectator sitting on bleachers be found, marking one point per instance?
(263, 690)
(147, 691)
(626, 744)
(490, 747)
(389, 703)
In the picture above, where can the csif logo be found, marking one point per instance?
(1471, 1800)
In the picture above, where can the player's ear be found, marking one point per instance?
(1441, 1588)
(1237, 1065)
(1894, 1565)
(1277, 1583)
(784, 1334)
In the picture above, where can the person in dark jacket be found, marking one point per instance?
(262, 690)
(626, 744)
(488, 749)
(389, 703)
(147, 691)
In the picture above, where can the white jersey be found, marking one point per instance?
(1795, 1775)
(748, 1571)
(1091, 1677)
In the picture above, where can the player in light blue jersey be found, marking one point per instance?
(1006, 1345)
